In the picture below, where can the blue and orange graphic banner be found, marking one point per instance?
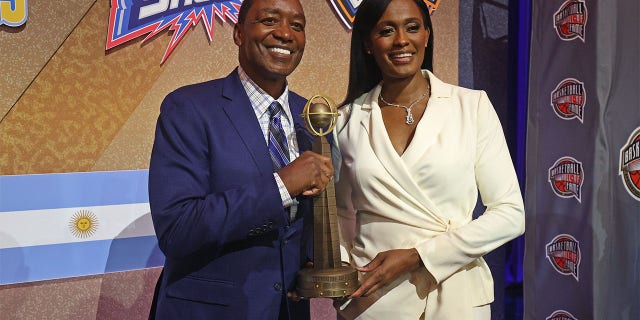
(131, 19)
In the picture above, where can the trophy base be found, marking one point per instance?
(327, 283)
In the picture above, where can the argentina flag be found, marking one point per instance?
(75, 224)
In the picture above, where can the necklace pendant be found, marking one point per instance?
(409, 117)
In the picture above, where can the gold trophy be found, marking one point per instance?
(327, 278)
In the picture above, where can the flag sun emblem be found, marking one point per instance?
(83, 224)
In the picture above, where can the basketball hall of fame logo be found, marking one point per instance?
(568, 99)
(570, 20)
(561, 315)
(630, 164)
(566, 177)
(563, 253)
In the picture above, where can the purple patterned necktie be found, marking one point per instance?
(277, 139)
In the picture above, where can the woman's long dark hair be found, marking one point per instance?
(364, 73)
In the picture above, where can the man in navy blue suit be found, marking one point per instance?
(234, 226)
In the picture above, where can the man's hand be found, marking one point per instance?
(386, 267)
(308, 174)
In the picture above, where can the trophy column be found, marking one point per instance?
(328, 278)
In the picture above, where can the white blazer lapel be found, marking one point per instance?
(433, 121)
(389, 158)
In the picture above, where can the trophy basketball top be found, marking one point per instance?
(320, 115)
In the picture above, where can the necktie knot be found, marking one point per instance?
(275, 109)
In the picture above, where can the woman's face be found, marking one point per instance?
(397, 42)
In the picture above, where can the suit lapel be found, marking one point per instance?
(389, 158)
(431, 125)
(383, 149)
(242, 117)
(303, 136)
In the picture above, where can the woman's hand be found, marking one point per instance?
(386, 267)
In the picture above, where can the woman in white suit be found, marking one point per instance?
(413, 153)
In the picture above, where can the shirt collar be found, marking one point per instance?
(260, 99)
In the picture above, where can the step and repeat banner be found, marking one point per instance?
(583, 161)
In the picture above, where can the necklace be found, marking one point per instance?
(409, 119)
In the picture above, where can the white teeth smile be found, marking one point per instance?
(402, 55)
(280, 50)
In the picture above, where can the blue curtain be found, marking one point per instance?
(519, 36)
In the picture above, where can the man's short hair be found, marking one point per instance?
(244, 8)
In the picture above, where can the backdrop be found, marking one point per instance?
(76, 132)
(583, 161)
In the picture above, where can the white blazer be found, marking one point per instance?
(424, 199)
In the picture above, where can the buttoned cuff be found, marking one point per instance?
(287, 201)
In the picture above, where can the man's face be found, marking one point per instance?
(271, 39)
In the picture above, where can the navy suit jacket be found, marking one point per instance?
(230, 249)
